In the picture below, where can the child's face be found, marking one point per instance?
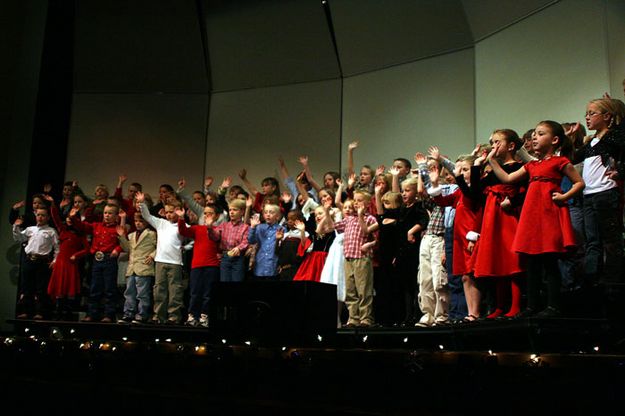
(328, 182)
(235, 213)
(359, 201)
(409, 194)
(79, 203)
(67, 191)
(595, 119)
(543, 139)
(199, 199)
(465, 169)
(348, 208)
(270, 215)
(381, 181)
(101, 193)
(132, 190)
(110, 215)
(210, 213)
(389, 203)
(325, 198)
(404, 170)
(290, 220)
(140, 224)
(500, 143)
(37, 204)
(170, 213)
(268, 188)
(42, 217)
(320, 214)
(366, 176)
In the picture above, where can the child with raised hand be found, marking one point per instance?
(467, 222)
(544, 209)
(329, 178)
(292, 245)
(357, 227)
(204, 264)
(168, 284)
(270, 188)
(128, 201)
(494, 256)
(141, 248)
(65, 280)
(42, 247)
(95, 209)
(105, 250)
(232, 238)
(265, 236)
(603, 156)
(322, 239)
(366, 175)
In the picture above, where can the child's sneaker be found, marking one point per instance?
(191, 321)
(204, 320)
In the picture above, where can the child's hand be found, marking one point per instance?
(351, 180)
(380, 170)
(121, 230)
(19, 221)
(122, 214)
(226, 182)
(361, 211)
(255, 220)
(182, 183)
(280, 233)
(470, 246)
(48, 198)
(340, 183)
(249, 201)
(493, 152)
(378, 188)
(19, 205)
(411, 238)
(303, 160)
(434, 153)
(506, 205)
(434, 174)
(419, 157)
(286, 197)
(122, 178)
(558, 198)
(394, 171)
(139, 197)
(481, 158)
(352, 145)
(235, 252)
(179, 212)
(72, 212)
(300, 225)
(47, 188)
(243, 174)
(208, 181)
(476, 151)
(148, 260)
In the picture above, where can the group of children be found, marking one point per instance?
(420, 246)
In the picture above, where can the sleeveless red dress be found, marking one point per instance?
(544, 227)
(494, 256)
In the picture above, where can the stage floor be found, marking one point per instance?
(550, 366)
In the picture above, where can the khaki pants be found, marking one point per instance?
(168, 292)
(359, 291)
(433, 289)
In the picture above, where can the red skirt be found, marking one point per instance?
(312, 266)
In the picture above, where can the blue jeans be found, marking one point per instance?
(138, 289)
(200, 285)
(603, 235)
(457, 302)
(571, 266)
(103, 285)
(232, 268)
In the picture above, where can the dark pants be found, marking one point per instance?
(200, 285)
(457, 302)
(34, 286)
(103, 288)
(539, 267)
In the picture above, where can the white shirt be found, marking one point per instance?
(168, 241)
(594, 174)
(42, 240)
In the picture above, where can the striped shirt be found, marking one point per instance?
(354, 235)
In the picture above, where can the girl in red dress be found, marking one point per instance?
(467, 224)
(545, 231)
(322, 237)
(65, 281)
(494, 257)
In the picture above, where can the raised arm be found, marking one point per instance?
(243, 175)
(516, 176)
(350, 157)
(304, 161)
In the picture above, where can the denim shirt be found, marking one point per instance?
(266, 258)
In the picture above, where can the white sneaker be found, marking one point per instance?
(191, 321)
(204, 320)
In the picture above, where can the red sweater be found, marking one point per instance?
(204, 250)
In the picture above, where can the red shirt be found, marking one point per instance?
(104, 236)
(204, 249)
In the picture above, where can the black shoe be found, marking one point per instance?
(527, 313)
(125, 320)
(549, 312)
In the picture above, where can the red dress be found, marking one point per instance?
(468, 218)
(65, 278)
(494, 255)
(312, 265)
(544, 227)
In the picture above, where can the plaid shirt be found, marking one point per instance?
(354, 236)
(231, 235)
(436, 226)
